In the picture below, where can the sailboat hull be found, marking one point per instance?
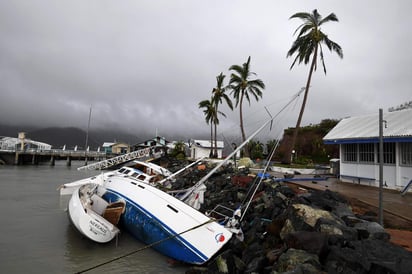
(85, 217)
(166, 223)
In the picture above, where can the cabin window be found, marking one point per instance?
(124, 171)
(350, 152)
(367, 153)
(406, 154)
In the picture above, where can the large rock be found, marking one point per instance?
(310, 215)
(333, 228)
(305, 217)
(372, 230)
(312, 242)
(294, 259)
(368, 256)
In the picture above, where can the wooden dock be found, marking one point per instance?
(34, 157)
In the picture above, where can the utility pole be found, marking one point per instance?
(381, 121)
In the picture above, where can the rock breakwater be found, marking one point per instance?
(290, 232)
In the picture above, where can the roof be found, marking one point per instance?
(365, 129)
(206, 144)
(8, 142)
(120, 144)
(160, 141)
(108, 144)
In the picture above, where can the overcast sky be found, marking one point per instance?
(143, 66)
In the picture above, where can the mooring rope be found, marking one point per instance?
(146, 247)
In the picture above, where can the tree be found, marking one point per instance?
(255, 149)
(216, 121)
(244, 87)
(218, 95)
(271, 145)
(209, 112)
(179, 150)
(307, 45)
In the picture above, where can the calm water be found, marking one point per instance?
(36, 235)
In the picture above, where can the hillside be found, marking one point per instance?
(309, 144)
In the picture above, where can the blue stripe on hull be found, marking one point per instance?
(148, 229)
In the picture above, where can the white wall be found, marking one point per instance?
(394, 176)
(199, 152)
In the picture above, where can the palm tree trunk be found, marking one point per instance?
(215, 153)
(211, 140)
(302, 109)
(246, 147)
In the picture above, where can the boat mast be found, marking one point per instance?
(87, 135)
(207, 176)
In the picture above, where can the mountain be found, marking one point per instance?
(71, 136)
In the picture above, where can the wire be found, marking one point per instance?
(147, 246)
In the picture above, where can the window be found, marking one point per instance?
(389, 152)
(367, 153)
(406, 154)
(350, 152)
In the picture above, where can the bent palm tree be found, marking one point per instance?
(309, 44)
(243, 87)
(218, 95)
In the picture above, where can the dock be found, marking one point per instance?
(101, 160)
(37, 156)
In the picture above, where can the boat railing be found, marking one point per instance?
(138, 154)
(221, 211)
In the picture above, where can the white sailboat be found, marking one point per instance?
(166, 223)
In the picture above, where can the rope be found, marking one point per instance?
(144, 247)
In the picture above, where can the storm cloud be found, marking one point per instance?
(145, 65)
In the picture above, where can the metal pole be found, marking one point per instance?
(87, 137)
(380, 167)
(234, 155)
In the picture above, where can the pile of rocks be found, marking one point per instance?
(288, 232)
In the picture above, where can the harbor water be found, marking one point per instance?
(36, 235)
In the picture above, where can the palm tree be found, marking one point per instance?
(308, 45)
(244, 87)
(255, 149)
(216, 122)
(179, 150)
(218, 95)
(209, 111)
